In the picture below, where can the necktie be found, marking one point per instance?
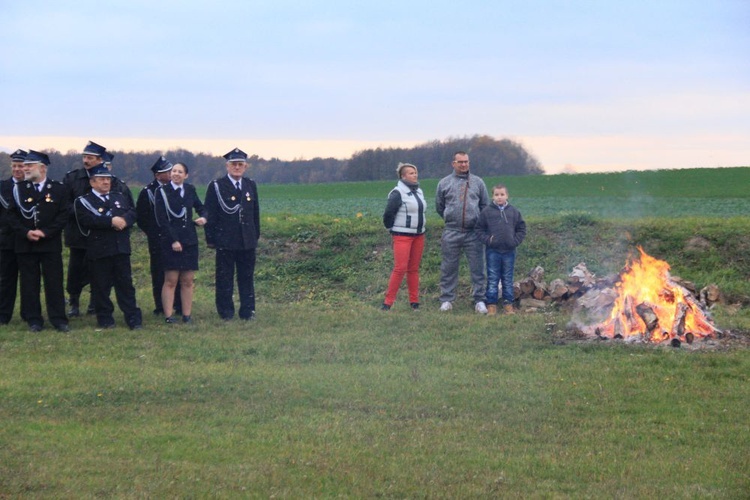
(179, 191)
(106, 197)
(237, 185)
(36, 186)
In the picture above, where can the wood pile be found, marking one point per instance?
(581, 288)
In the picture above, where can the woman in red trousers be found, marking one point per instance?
(404, 216)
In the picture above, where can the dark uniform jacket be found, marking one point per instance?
(7, 238)
(169, 204)
(233, 216)
(47, 210)
(94, 217)
(77, 182)
(144, 209)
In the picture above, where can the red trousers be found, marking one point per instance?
(407, 255)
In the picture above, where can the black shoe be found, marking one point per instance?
(137, 327)
(108, 326)
(63, 328)
(35, 327)
(170, 320)
(385, 307)
(74, 312)
(187, 320)
(415, 306)
(4, 321)
(158, 312)
(91, 309)
(249, 318)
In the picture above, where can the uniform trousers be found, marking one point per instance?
(33, 267)
(8, 284)
(407, 256)
(452, 245)
(114, 271)
(227, 261)
(78, 272)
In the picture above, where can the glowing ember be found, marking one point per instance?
(651, 306)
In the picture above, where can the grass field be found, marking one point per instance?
(326, 396)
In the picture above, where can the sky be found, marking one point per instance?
(583, 85)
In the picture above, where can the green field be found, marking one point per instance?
(326, 396)
(625, 195)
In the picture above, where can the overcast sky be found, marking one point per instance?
(584, 85)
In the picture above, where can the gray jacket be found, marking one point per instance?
(459, 201)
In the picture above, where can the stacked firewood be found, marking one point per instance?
(583, 288)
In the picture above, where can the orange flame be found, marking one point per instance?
(650, 305)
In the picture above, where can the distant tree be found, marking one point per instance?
(489, 156)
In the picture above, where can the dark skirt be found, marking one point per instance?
(187, 260)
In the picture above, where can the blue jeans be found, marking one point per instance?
(500, 270)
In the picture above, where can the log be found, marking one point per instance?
(649, 317)
(557, 289)
(537, 274)
(539, 293)
(527, 287)
(527, 303)
(678, 327)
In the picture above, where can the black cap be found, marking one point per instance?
(100, 170)
(161, 165)
(18, 155)
(36, 157)
(93, 148)
(236, 155)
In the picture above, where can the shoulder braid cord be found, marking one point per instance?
(27, 213)
(5, 203)
(171, 213)
(88, 206)
(224, 207)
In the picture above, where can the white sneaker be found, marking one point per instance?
(446, 306)
(480, 308)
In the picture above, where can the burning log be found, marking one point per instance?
(678, 327)
(649, 317)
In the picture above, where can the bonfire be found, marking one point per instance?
(648, 305)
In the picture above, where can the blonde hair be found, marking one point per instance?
(402, 166)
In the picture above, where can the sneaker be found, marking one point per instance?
(508, 309)
(415, 306)
(491, 309)
(187, 320)
(446, 306)
(170, 320)
(385, 307)
(480, 308)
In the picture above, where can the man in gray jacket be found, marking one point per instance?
(460, 198)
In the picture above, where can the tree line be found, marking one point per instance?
(489, 156)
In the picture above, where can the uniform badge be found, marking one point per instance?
(29, 200)
(232, 198)
(247, 195)
(117, 204)
(101, 210)
(48, 198)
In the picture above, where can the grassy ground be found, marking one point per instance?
(324, 395)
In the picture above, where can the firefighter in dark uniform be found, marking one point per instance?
(146, 219)
(105, 218)
(38, 212)
(233, 229)
(78, 184)
(8, 262)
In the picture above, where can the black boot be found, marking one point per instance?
(74, 311)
